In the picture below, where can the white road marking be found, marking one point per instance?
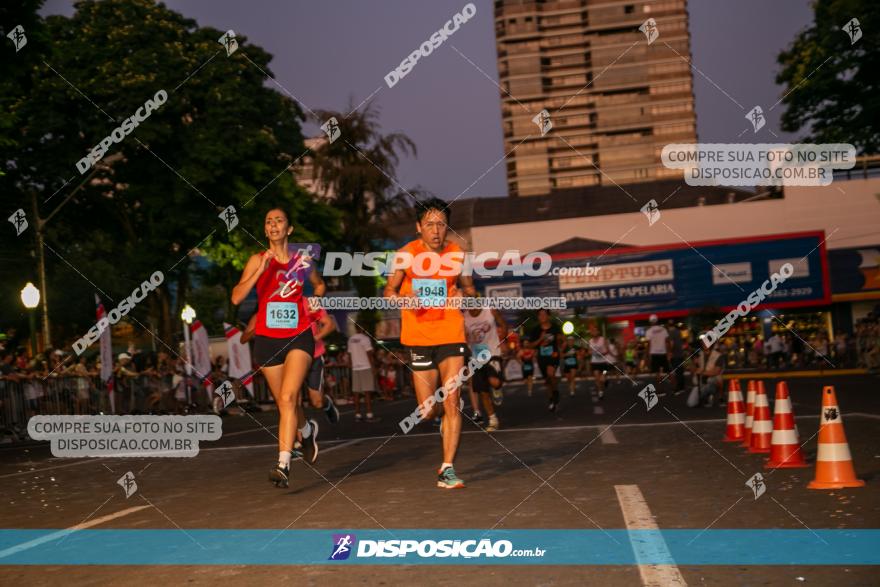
(250, 446)
(61, 533)
(424, 434)
(637, 516)
(608, 437)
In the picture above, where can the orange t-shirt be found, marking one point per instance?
(432, 326)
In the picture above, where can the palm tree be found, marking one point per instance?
(356, 172)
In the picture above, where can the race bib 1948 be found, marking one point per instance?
(431, 292)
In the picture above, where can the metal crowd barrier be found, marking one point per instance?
(21, 398)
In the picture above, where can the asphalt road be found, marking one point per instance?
(542, 470)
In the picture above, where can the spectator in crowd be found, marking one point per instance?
(841, 349)
(756, 358)
(124, 376)
(775, 351)
(83, 384)
(387, 375)
(630, 360)
(363, 372)
(708, 368)
(676, 346)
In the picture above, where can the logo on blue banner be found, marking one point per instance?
(342, 546)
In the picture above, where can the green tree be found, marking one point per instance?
(222, 138)
(831, 86)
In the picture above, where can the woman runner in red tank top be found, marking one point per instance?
(283, 345)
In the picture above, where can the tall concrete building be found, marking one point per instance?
(614, 100)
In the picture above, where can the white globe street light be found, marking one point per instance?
(30, 297)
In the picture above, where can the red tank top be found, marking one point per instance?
(282, 311)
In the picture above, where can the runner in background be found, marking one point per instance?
(482, 330)
(599, 359)
(526, 357)
(614, 359)
(546, 338)
(570, 361)
(659, 348)
(323, 326)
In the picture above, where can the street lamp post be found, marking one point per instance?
(30, 297)
(187, 315)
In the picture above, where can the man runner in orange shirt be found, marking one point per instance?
(434, 335)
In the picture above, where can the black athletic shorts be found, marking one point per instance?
(528, 368)
(568, 366)
(599, 367)
(315, 378)
(480, 379)
(269, 352)
(425, 358)
(547, 362)
(658, 361)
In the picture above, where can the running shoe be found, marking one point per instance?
(551, 406)
(477, 418)
(447, 479)
(358, 418)
(497, 396)
(493, 424)
(601, 394)
(310, 444)
(330, 410)
(280, 476)
(371, 418)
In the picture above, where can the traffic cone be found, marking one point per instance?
(762, 425)
(834, 467)
(750, 411)
(785, 446)
(736, 413)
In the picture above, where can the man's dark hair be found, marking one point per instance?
(437, 204)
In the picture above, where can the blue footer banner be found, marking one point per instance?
(432, 547)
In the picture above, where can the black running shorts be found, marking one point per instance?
(315, 378)
(480, 379)
(424, 358)
(270, 352)
(658, 362)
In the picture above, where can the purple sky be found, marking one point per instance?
(330, 51)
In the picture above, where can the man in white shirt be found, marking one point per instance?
(708, 367)
(363, 372)
(774, 351)
(659, 348)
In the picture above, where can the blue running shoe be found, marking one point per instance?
(447, 479)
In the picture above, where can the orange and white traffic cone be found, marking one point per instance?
(762, 425)
(736, 413)
(785, 446)
(750, 411)
(834, 466)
